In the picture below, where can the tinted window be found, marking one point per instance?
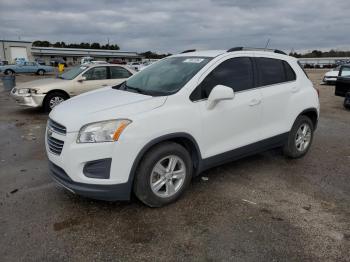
(119, 72)
(290, 74)
(236, 73)
(96, 73)
(302, 68)
(345, 71)
(166, 76)
(271, 71)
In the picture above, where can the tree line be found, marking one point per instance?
(83, 45)
(318, 53)
(148, 54)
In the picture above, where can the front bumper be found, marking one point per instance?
(100, 192)
(29, 100)
(69, 166)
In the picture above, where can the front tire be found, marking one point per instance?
(163, 174)
(9, 72)
(52, 100)
(300, 138)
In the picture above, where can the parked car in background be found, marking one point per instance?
(49, 92)
(342, 85)
(135, 65)
(26, 67)
(117, 62)
(3, 62)
(20, 60)
(144, 65)
(95, 62)
(86, 60)
(56, 61)
(331, 76)
(40, 61)
(182, 115)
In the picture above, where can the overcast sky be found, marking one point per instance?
(172, 26)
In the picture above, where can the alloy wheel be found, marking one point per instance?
(168, 176)
(303, 137)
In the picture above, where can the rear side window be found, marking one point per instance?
(290, 74)
(270, 71)
(302, 68)
(118, 72)
(236, 73)
(96, 73)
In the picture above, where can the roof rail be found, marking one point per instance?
(241, 48)
(188, 51)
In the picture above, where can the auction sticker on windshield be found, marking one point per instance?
(193, 60)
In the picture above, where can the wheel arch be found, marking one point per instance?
(58, 91)
(10, 69)
(311, 113)
(184, 139)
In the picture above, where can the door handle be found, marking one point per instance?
(105, 85)
(254, 102)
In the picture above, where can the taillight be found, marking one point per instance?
(318, 91)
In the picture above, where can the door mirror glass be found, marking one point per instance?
(219, 92)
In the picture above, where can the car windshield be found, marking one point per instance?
(72, 73)
(165, 77)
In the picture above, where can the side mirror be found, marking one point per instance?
(218, 93)
(82, 79)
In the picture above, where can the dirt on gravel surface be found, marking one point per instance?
(261, 208)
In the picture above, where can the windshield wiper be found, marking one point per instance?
(138, 90)
(124, 87)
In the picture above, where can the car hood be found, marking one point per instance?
(42, 84)
(102, 104)
(332, 73)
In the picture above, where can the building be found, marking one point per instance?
(10, 50)
(324, 61)
(72, 56)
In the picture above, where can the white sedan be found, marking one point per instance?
(331, 76)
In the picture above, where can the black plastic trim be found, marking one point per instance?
(100, 192)
(98, 168)
(314, 111)
(244, 151)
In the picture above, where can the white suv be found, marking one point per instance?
(181, 115)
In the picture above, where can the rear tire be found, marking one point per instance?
(347, 101)
(53, 99)
(300, 138)
(163, 174)
(40, 72)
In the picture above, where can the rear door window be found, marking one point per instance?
(117, 72)
(96, 73)
(270, 71)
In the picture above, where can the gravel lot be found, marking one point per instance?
(262, 208)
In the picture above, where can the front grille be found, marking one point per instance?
(54, 144)
(56, 127)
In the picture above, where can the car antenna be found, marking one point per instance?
(267, 43)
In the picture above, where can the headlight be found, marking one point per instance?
(23, 91)
(104, 131)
